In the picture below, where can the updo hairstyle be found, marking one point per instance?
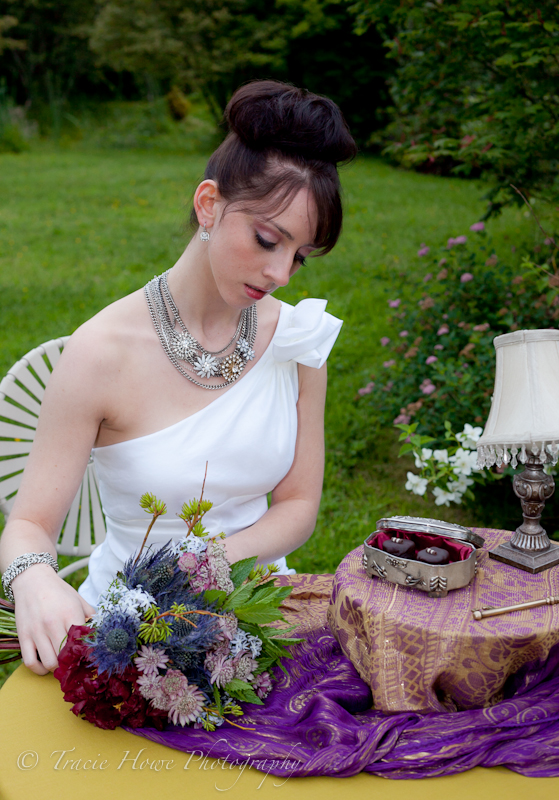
(282, 139)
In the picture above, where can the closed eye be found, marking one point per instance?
(270, 246)
(264, 242)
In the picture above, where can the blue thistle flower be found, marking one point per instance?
(115, 643)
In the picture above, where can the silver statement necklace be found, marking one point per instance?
(186, 353)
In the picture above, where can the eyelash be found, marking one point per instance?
(270, 246)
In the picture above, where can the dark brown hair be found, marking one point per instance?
(282, 139)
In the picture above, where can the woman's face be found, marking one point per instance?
(251, 255)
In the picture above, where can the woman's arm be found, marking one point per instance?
(46, 606)
(291, 518)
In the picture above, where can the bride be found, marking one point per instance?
(203, 365)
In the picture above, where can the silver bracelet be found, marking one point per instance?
(22, 563)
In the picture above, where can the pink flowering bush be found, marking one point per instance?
(443, 369)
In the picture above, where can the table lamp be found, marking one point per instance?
(523, 425)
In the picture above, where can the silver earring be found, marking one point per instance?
(204, 235)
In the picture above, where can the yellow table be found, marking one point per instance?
(47, 753)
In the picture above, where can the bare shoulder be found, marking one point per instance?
(102, 341)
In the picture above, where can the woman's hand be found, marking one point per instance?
(46, 607)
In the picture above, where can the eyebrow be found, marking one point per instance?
(287, 234)
(282, 230)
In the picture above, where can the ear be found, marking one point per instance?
(206, 199)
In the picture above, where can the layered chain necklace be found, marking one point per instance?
(186, 353)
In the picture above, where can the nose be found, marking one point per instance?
(279, 270)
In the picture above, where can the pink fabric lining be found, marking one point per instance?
(456, 551)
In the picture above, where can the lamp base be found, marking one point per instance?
(538, 562)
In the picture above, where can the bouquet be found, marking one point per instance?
(180, 636)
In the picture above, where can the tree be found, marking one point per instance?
(475, 89)
(213, 46)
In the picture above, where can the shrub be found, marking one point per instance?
(475, 89)
(440, 364)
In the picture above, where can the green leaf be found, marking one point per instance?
(243, 691)
(240, 595)
(258, 613)
(240, 570)
(215, 596)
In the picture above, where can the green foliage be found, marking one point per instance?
(240, 570)
(152, 505)
(475, 90)
(154, 628)
(213, 46)
(441, 364)
(243, 691)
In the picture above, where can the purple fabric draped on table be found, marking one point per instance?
(318, 719)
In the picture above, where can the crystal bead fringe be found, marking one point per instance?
(488, 455)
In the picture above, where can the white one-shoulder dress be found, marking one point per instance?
(247, 435)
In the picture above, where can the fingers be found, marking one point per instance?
(30, 657)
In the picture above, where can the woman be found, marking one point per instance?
(204, 365)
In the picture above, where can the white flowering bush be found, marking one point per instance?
(450, 471)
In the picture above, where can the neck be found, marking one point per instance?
(202, 309)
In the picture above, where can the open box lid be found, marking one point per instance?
(426, 525)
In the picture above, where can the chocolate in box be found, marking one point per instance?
(437, 580)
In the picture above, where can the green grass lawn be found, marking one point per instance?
(80, 228)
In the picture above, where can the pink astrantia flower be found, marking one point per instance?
(548, 240)
(388, 386)
(403, 334)
(461, 239)
(442, 262)
(466, 277)
(439, 347)
(423, 250)
(442, 330)
(188, 707)
(477, 226)
(428, 277)
(394, 303)
(402, 419)
(150, 660)
(431, 360)
(389, 363)
(364, 390)
(187, 562)
(384, 341)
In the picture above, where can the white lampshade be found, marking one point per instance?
(525, 407)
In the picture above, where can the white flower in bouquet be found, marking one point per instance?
(416, 484)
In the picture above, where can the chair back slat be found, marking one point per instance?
(84, 526)
(15, 432)
(96, 510)
(7, 487)
(16, 448)
(53, 349)
(14, 392)
(16, 414)
(11, 465)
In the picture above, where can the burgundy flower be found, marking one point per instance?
(106, 701)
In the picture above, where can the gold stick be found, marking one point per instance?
(480, 613)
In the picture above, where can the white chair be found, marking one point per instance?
(21, 393)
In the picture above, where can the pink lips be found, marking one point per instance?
(255, 294)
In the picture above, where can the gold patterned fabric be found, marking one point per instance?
(420, 653)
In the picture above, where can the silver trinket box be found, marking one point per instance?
(436, 579)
